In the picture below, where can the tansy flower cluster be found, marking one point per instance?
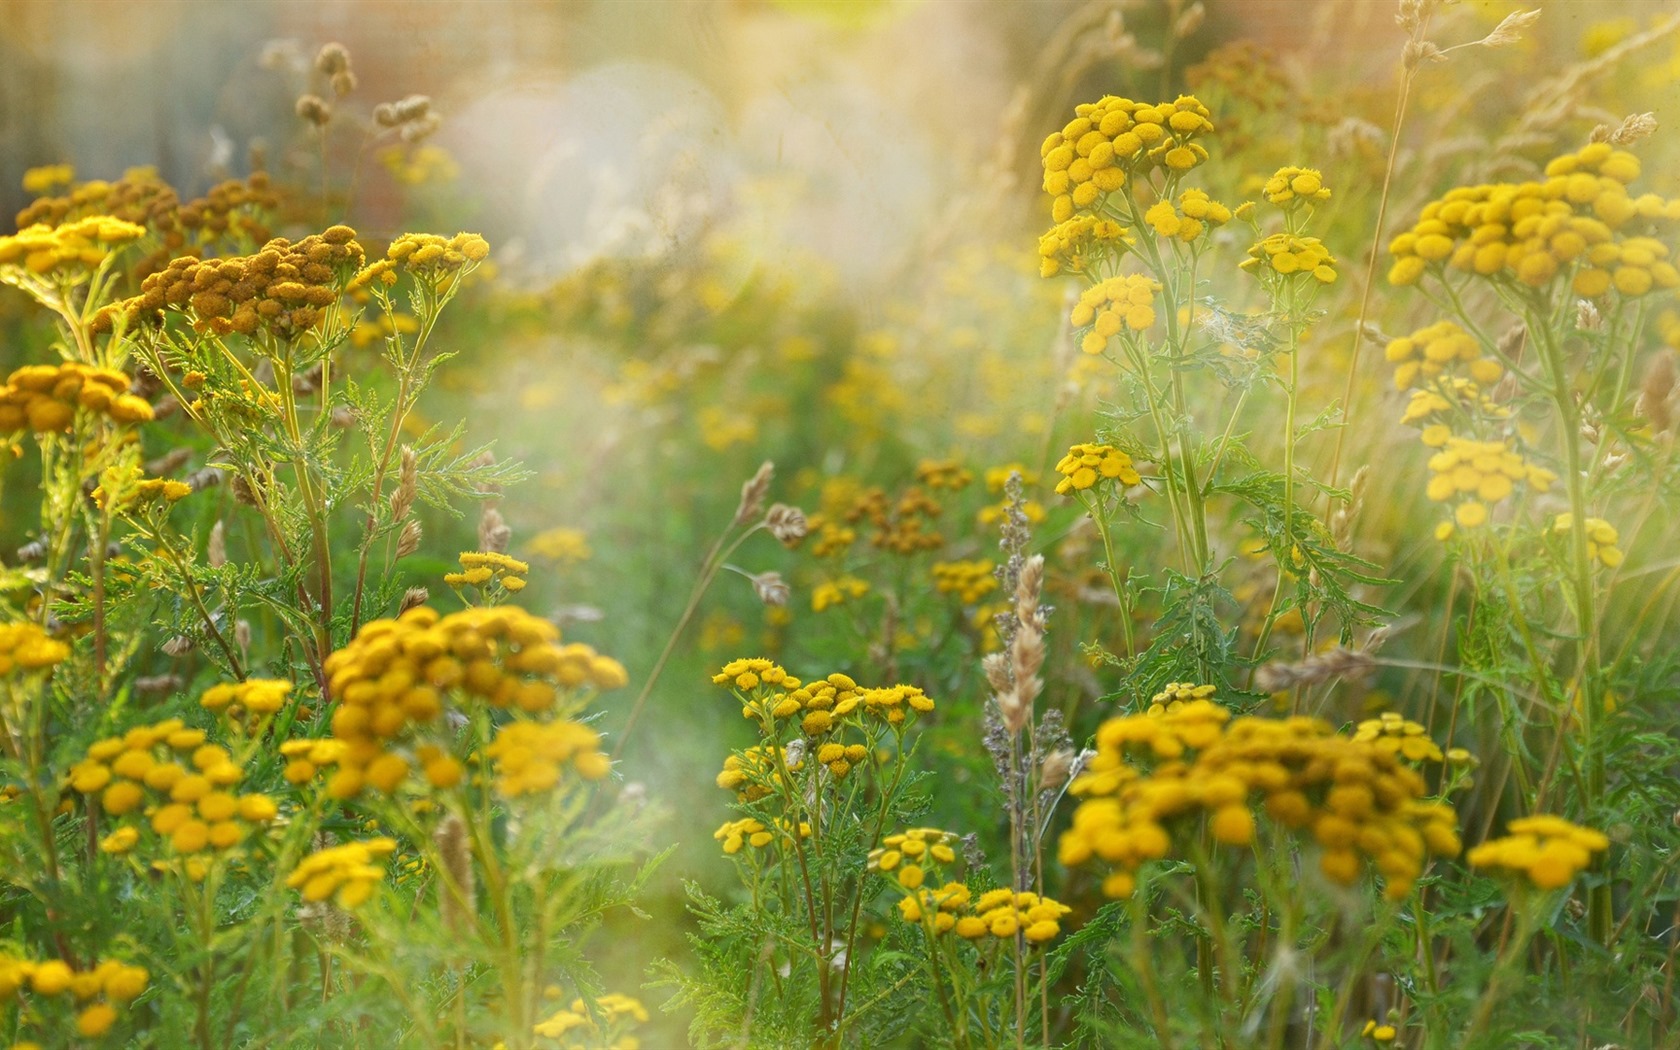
(1602, 538)
(560, 546)
(1286, 254)
(1434, 350)
(1003, 913)
(283, 290)
(943, 474)
(394, 675)
(1449, 397)
(1114, 305)
(429, 257)
(1548, 851)
(489, 571)
(530, 756)
(755, 773)
(1357, 800)
(750, 832)
(47, 177)
(970, 581)
(45, 398)
(58, 252)
(1397, 735)
(25, 647)
(1534, 231)
(110, 982)
(1477, 474)
(304, 758)
(1292, 186)
(124, 487)
(1076, 244)
(1113, 137)
(577, 1030)
(254, 696)
(231, 212)
(1174, 695)
(838, 591)
(902, 526)
(349, 873)
(1086, 464)
(908, 855)
(1194, 216)
(180, 782)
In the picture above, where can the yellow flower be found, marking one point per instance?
(1112, 306)
(1548, 851)
(1086, 465)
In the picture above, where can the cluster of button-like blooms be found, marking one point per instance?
(71, 250)
(1174, 695)
(1399, 735)
(1003, 913)
(1548, 851)
(1287, 254)
(428, 256)
(254, 696)
(178, 781)
(45, 398)
(1075, 244)
(1572, 222)
(1195, 215)
(903, 526)
(577, 1029)
(755, 772)
(1602, 538)
(1477, 474)
(1156, 772)
(231, 212)
(25, 647)
(908, 855)
(1291, 186)
(348, 873)
(487, 570)
(530, 756)
(1114, 305)
(970, 581)
(1437, 349)
(394, 676)
(284, 289)
(943, 474)
(1113, 138)
(1449, 398)
(1086, 464)
(749, 831)
(109, 982)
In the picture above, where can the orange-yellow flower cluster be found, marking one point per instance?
(256, 696)
(1548, 851)
(1086, 464)
(908, 855)
(488, 571)
(45, 398)
(1434, 350)
(1476, 474)
(1076, 244)
(1154, 772)
(530, 756)
(25, 647)
(1292, 186)
(1004, 913)
(1578, 222)
(1398, 735)
(1112, 138)
(1602, 538)
(1111, 306)
(179, 781)
(1286, 254)
(970, 581)
(106, 984)
(349, 873)
(284, 289)
(1195, 215)
(394, 675)
(72, 250)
